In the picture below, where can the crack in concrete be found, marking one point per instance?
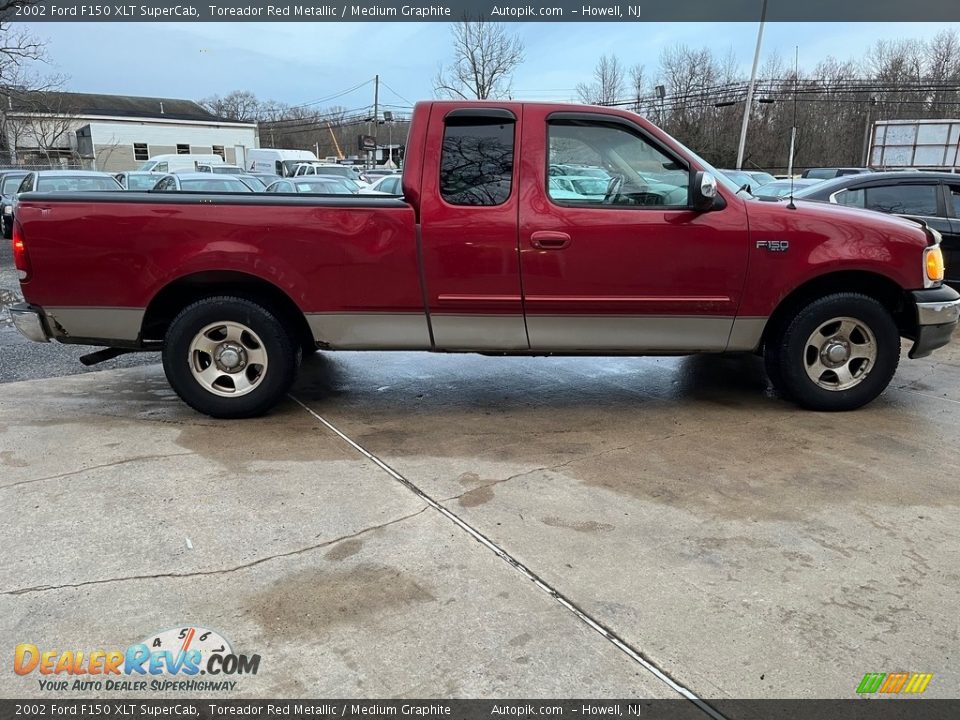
(593, 623)
(550, 468)
(93, 467)
(224, 571)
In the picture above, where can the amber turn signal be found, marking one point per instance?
(934, 263)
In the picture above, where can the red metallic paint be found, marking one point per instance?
(619, 261)
(122, 255)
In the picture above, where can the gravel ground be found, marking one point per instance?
(21, 359)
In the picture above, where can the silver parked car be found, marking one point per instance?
(201, 182)
(315, 185)
(134, 180)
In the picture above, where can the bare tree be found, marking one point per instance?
(607, 85)
(239, 105)
(39, 122)
(485, 56)
(638, 87)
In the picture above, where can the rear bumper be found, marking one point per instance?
(30, 322)
(938, 311)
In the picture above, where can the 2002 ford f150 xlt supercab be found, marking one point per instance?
(643, 249)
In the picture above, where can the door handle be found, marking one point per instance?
(549, 240)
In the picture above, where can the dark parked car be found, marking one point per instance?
(933, 197)
(60, 181)
(9, 182)
(827, 173)
(138, 180)
(201, 182)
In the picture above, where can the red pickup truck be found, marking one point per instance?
(523, 229)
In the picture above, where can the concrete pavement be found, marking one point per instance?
(744, 547)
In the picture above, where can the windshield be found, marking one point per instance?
(11, 183)
(740, 178)
(142, 182)
(226, 170)
(66, 183)
(221, 184)
(719, 176)
(332, 186)
(590, 186)
(253, 182)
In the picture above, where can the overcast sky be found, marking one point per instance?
(302, 62)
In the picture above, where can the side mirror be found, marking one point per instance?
(704, 192)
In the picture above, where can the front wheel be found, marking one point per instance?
(228, 357)
(837, 353)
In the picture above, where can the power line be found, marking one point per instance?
(396, 93)
(334, 96)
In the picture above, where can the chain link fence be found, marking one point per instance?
(33, 161)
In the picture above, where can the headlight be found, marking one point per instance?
(8, 209)
(933, 264)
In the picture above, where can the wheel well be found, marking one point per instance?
(880, 288)
(168, 303)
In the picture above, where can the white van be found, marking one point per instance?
(173, 163)
(277, 161)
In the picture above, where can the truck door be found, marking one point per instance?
(469, 228)
(613, 258)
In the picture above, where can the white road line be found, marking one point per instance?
(592, 623)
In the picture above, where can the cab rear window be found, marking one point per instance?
(476, 161)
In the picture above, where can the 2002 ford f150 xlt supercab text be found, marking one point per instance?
(524, 228)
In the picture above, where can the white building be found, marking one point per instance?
(112, 132)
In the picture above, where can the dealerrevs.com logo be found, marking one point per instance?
(170, 660)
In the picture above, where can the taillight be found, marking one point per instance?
(21, 260)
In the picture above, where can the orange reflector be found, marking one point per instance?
(934, 263)
(21, 260)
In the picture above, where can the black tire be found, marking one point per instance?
(179, 360)
(787, 355)
(771, 362)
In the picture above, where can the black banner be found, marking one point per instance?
(499, 10)
(854, 709)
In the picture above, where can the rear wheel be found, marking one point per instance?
(229, 358)
(837, 353)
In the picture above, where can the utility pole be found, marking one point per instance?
(866, 133)
(372, 157)
(753, 80)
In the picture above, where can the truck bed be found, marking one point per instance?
(99, 255)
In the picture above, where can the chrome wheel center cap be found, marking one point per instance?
(230, 357)
(836, 353)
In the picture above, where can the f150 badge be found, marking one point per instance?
(773, 245)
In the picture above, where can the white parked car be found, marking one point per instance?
(388, 185)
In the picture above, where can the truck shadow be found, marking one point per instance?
(441, 381)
